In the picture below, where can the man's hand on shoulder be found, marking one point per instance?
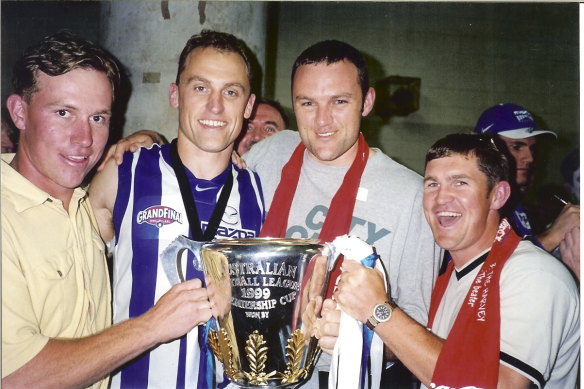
(238, 160)
(131, 143)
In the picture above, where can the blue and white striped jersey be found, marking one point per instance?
(148, 215)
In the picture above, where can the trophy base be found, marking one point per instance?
(296, 374)
(282, 386)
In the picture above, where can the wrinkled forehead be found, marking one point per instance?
(453, 164)
(209, 60)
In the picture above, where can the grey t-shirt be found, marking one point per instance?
(388, 214)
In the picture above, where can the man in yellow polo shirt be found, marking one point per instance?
(55, 288)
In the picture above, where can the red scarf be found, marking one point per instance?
(470, 354)
(340, 213)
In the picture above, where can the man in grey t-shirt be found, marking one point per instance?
(330, 94)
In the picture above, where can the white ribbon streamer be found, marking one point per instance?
(345, 370)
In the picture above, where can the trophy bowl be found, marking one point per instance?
(266, 294)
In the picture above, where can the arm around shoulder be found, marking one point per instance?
(102, 196)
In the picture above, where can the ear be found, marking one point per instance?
(17, 108)
(369, 101)
(500, 194)
(249, 106)
(173, 95)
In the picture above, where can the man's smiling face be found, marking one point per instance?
(328, 104)
(457, 204)
(213, 97)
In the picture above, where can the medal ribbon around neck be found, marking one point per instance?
(189, 200)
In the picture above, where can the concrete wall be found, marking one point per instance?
(469, 56)
(26, 22)
(148, 37)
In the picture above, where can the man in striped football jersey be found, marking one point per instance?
(188, 187)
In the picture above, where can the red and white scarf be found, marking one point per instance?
(470, 354)
(340, 213)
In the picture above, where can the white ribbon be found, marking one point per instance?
(345, 368)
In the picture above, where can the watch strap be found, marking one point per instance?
(372, 321)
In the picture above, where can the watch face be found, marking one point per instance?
(382, 312)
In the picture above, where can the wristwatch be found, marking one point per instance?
(381, 314)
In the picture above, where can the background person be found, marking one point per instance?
(570, 169)
(570, 245)
(267, 118)
(517, 132)
(7, 142)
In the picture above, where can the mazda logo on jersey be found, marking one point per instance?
(230, 216)
(158, 215)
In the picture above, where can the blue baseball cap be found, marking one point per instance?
(509, 120)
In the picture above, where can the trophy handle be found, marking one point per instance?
(179, 264)
(332, 252)
(171, 258)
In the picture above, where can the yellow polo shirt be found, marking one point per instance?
(55, 281)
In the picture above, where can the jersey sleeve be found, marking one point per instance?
(539, 316)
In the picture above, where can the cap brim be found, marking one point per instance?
(525, 133)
